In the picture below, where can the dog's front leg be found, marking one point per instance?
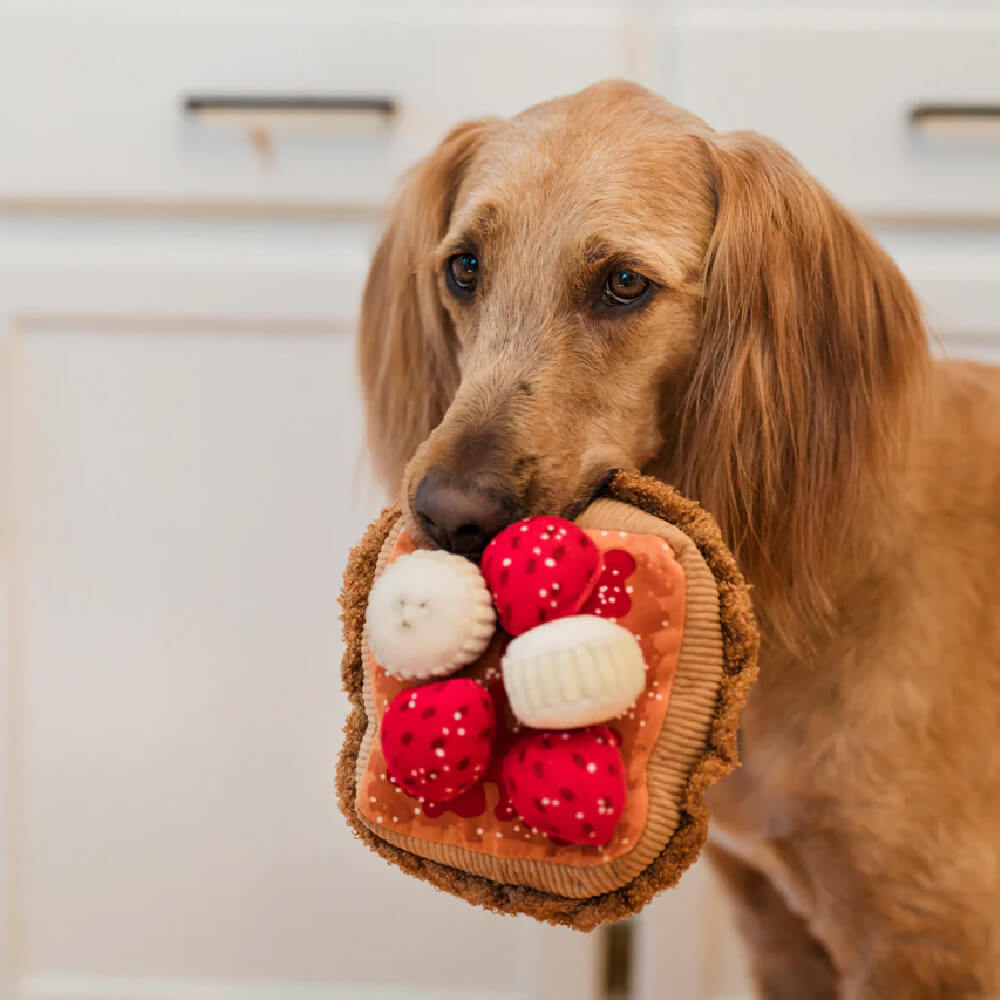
(903, 908)
(786, 960)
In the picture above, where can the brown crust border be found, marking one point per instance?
(740, 642)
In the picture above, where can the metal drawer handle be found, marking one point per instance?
(976, 121)
(292, 104)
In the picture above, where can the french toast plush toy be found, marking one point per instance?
(536, 734)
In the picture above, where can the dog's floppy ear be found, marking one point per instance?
(409, 369)
(810, 347)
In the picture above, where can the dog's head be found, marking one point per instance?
(602, 282)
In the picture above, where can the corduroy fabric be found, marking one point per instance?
(698, 744)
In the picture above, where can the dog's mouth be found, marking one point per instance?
(573, 510)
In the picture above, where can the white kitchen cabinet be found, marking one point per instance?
(181, 482)
(956, 274)
(182, 476)
(839, 86)
(897, 111)
(105, 123)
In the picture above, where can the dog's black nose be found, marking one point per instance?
(458, 518)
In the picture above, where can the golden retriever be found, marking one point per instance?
(604, 281)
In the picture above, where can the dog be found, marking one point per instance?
(605, 282)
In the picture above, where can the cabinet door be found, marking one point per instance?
(956, 275)
(182, 477)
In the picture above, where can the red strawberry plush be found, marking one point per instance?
(569, 784)
(437, 739)
(538, 570)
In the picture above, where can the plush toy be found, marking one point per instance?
(536, 734)
(429, 614)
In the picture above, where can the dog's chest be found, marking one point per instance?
(757, 811)
(763, 856)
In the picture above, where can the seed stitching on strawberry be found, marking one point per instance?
(535, 576)
(425, 754)
(583, 768)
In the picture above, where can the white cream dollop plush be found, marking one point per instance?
(575, 671)
(429, 614)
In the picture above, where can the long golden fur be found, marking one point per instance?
(779, 372)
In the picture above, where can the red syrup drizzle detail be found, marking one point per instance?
(505, 739)
(609, 598)
(468, 804)
(473, 802)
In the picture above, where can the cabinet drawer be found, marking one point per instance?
(898, 113)
(98, 113)
(956, 276)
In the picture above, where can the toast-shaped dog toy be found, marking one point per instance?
(536, 735)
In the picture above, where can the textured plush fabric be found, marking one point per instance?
(437, 740)
(429, 615)
(538, 570)
(576, 671)
(569, 784)
(696, 747)
(492, 831)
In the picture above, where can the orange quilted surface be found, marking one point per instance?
(651, 583)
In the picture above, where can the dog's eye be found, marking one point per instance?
(624, 286)
(462, 273)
